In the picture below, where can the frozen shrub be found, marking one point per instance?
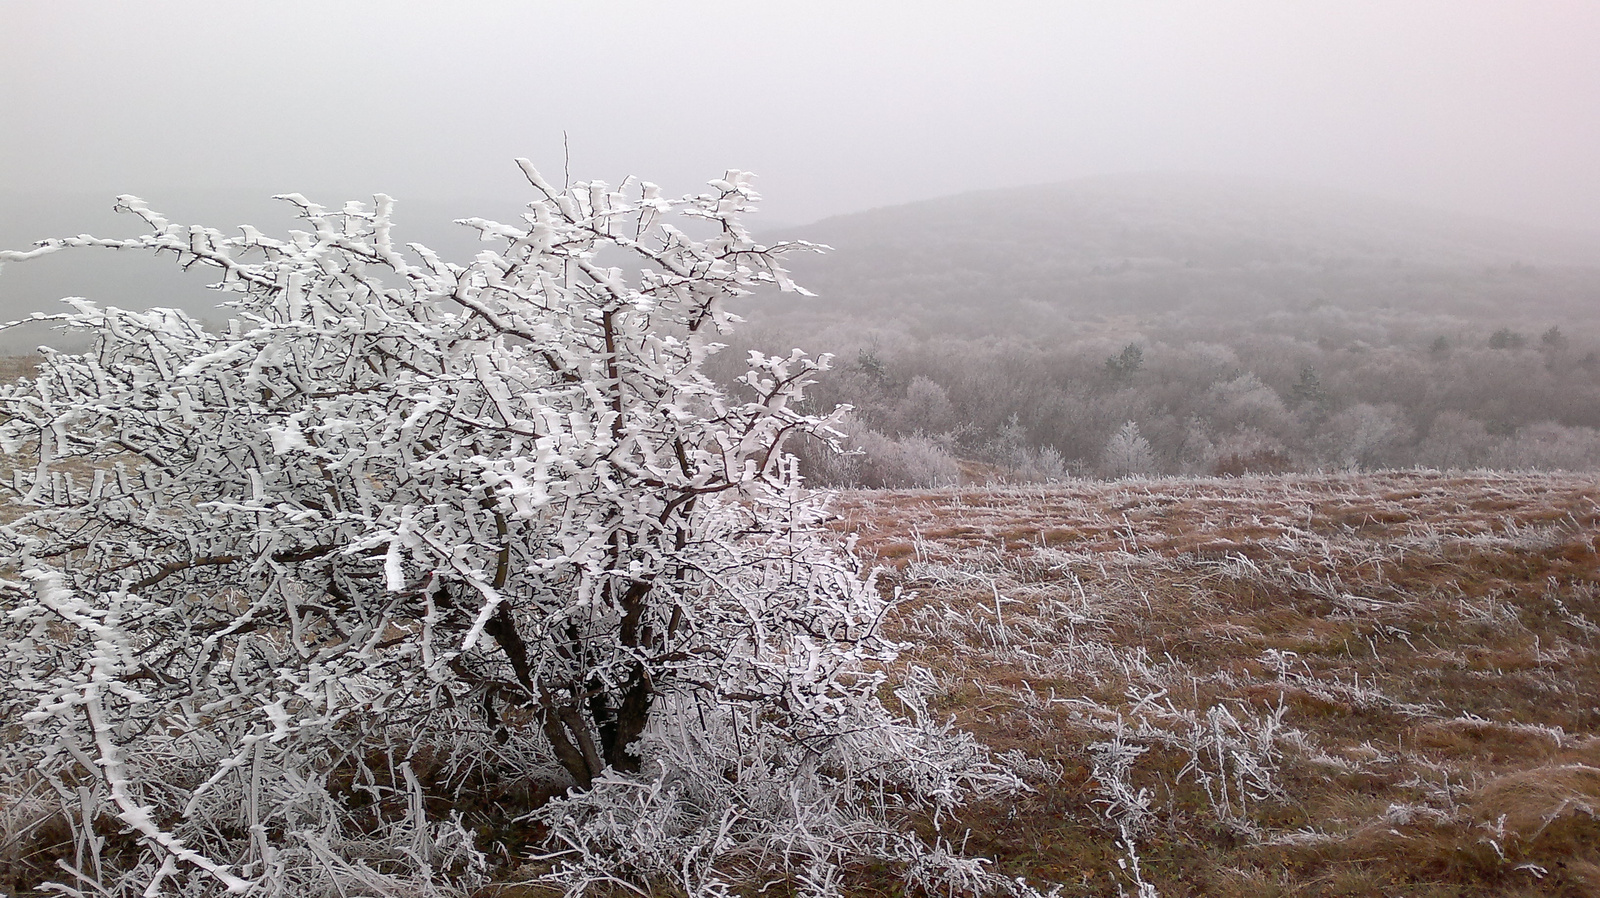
(873, 460)
(1455, 440)
(1365, 436)
(926, 408)
(1549, 446)
(492, 517)
(1022, 462)
(1250, 451)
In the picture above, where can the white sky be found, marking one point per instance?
(1490, 107)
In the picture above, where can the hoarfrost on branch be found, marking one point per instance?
(281, 595)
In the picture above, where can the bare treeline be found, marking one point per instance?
(1149, 326)
(1325, 389)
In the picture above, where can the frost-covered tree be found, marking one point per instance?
(1128, 453)
(1455, 441)
(409, 519)
(925, 409)
(1365, 436)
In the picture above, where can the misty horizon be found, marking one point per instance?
(1482, 108)
(1338, 189)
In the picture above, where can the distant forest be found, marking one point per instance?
(1186, 326)
(1129, 325)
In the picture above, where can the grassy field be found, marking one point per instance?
(1318, 685)
(1363, 684)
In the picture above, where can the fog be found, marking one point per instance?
(1266, 236)
(1483, 107)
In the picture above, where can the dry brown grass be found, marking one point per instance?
(1400, 669)
(1413, 654)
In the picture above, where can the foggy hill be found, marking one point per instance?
(1037, 261)
(1022, 259)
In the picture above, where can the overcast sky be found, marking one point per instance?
(1489, 107)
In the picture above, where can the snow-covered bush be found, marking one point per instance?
(873, 460)
(281, 600)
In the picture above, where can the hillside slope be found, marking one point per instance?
(1016, 259)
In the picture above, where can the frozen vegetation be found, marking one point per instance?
(1316, 685)
(424, 577)
(419, 573)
